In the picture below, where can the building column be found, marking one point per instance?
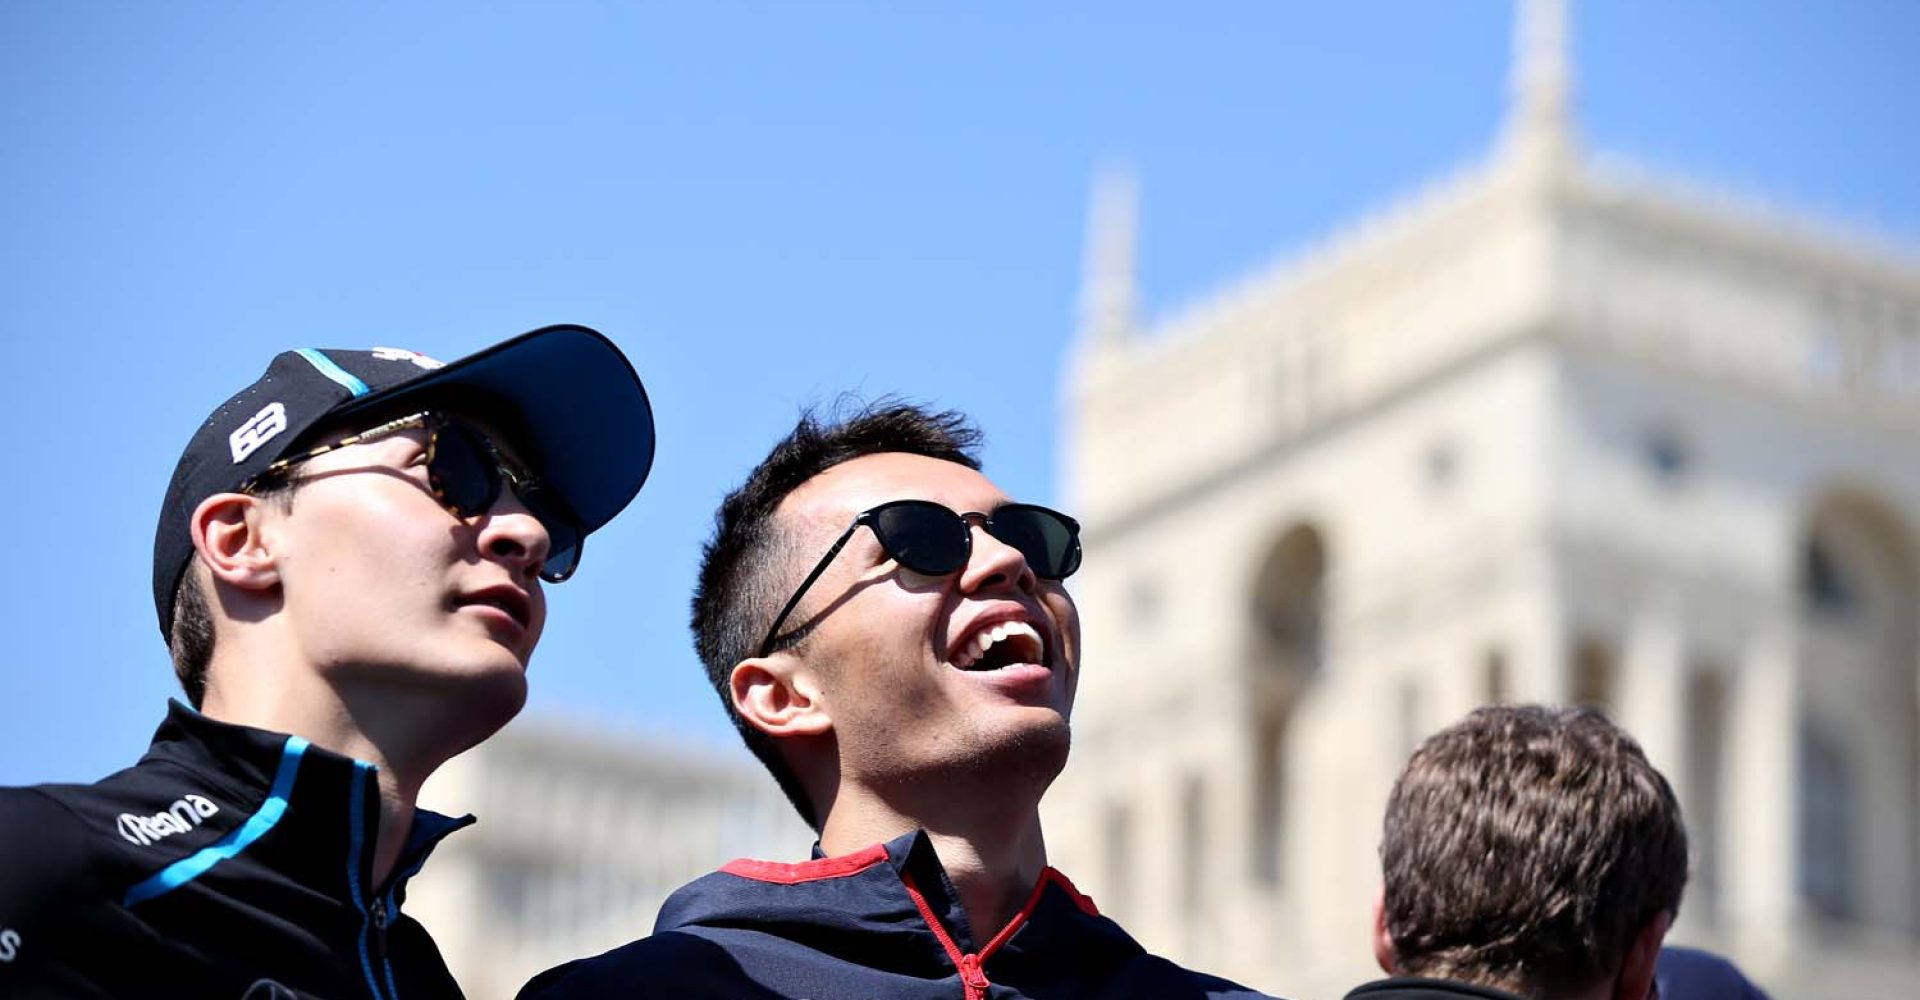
(1651, 702)
(1336, 797)
(1760, 876)
(1541, 660)
(1454, 684)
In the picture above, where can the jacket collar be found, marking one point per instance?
(898, 891)
(248, 758)
(324, 807)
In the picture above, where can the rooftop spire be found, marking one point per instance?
(1107, 277)
(1540, 120)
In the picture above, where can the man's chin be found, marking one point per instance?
(1038, 747)
(490, 702)
(487, 695)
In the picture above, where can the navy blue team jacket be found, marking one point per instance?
(229, 863)
(879, 924)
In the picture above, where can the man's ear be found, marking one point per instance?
(1635, 981)
(1382, 939)
(779, 698)
(227, 535)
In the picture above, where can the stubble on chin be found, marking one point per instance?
(1008, 764)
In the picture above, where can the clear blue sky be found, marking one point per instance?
(764, 205)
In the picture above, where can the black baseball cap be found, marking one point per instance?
(578, 415)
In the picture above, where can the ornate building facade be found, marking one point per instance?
(582, 835)
(1550, 430)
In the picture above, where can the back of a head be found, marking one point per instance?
(1525, 847)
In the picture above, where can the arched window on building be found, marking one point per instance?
(1826, 862)
(1496, 681)
(1593, 674)
(1193, 863)
(1285, 652)
(1117, 833)
(1407, 713)
(1858, 762)
(1706, 734)
(1824, 586)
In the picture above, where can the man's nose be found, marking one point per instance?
(510, 533)
(995, 562)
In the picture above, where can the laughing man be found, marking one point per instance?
(892, 637)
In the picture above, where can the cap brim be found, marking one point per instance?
(581, 405)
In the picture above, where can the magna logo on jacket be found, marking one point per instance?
(186, 813)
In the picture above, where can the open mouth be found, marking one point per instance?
(1002, 645)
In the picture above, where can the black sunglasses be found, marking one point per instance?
(934, 540)
(464, 472)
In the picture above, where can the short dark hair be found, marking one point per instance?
(742, 582)
(1525, 847)
(190, 636)
(190, 632)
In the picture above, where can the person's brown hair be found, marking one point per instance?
(1525, 848)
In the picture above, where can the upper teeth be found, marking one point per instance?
(987, 637)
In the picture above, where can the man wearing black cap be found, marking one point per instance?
(348, 572)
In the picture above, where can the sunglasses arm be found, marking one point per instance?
(766, 645)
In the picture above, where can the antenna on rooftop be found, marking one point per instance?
(1540, 118)
(1107, 278)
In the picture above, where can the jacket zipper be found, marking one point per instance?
(973, 967)
(382, 914)
(973, 978)
(373, 910)
(386, 909)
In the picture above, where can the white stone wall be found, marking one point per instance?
(1569, 422)
(582, 834)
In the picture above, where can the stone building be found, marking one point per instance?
(582, 835)
(1550, 430)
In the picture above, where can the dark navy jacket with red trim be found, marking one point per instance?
(880, 924)
(230, 862)
(1420, 988)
